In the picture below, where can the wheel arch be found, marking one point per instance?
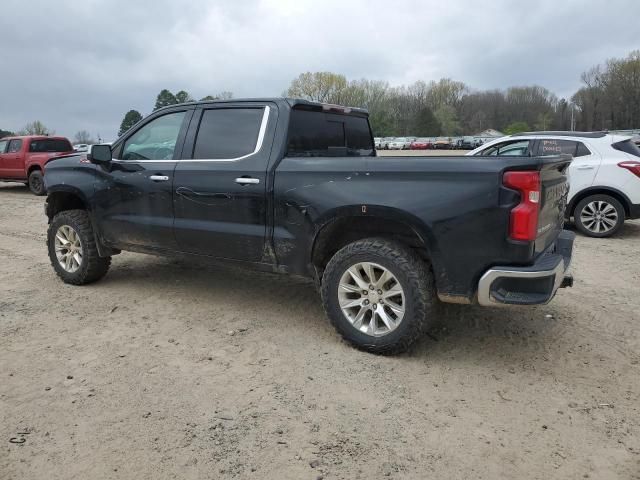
(33, 167)
(351, 224)
(65, 199)
(598, 190)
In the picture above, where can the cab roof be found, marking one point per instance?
(561, 133)
(292, 102)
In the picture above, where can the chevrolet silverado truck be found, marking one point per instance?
(22, 159)
(296, 187)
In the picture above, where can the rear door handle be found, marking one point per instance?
(247, 181)
(585, 167)
(158, 178)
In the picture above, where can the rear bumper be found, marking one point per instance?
(532, 285)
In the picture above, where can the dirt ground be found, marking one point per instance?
(170, 370)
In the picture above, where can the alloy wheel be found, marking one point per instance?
(68, 249)
(371, 298)
(599, 216)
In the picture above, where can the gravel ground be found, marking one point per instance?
(172, 370)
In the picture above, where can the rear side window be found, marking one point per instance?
(14, 146)
(582, 150)
(627, 146)
(517, 148)
(3, 145)
(550, 146)
(228, 133)
(320, 134)
(50, 145)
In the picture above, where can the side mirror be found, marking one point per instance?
(99, 154)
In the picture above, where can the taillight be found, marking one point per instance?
(632, 166)
(524, 217)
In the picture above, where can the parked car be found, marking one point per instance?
(421, 144)
(22, 159)
(466, 143)
(81, 147)
(385, 142)
(604, 175)
(295, 187)
(442, 143)
(400, 143)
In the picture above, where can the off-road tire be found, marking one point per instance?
(598, 198)
(413, 274)
(93, 266)
(36, 183)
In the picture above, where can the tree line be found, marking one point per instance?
(609, 99)
(164, 99)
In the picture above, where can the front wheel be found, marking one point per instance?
(379, 295)
(72, 248)
(599, 216)
(36, 183)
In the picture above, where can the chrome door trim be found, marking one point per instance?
(261, 135)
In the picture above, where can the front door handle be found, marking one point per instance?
(247, 181)
(158, 178)
(585, 167)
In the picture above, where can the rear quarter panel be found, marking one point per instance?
(456, 204)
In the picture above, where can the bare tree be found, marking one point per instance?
(35, 128)
(83, 137)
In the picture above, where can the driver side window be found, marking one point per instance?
(518, 148)
(156, 140)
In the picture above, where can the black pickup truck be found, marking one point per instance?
(295, 187)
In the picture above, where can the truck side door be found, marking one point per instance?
(3, 149)
(220, 183)
(134, 197)
(11, 161)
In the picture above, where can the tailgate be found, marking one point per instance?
(553, 199)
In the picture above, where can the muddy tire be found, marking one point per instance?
(72, 248)
(36, 183)
(379, 295)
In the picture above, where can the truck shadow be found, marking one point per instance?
(14, 188)
(293, 303)
(492, 335)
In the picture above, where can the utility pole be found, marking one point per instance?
(573, 125)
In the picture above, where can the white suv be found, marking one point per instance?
(604, 175)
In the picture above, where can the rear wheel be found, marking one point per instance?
(36, 183)
(599, 216)
(72, 248)
(379, 295)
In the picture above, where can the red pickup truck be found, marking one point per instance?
(22, 159)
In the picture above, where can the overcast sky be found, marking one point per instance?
(82, 64)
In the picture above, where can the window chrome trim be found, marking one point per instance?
(260, 141)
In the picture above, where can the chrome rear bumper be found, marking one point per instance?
(532, 285)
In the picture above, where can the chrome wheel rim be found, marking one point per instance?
(68, 249)
(371, 299)
(599, 216)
